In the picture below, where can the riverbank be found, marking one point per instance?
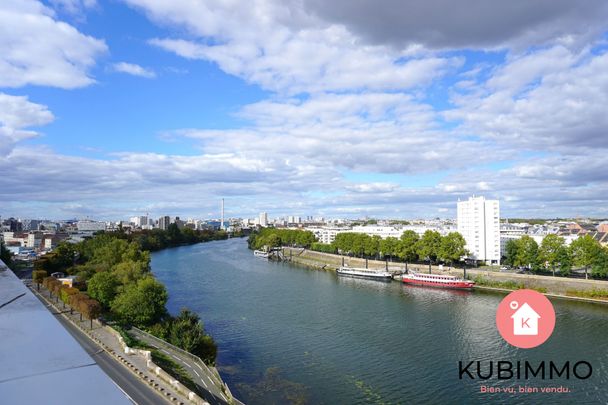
(557, 287)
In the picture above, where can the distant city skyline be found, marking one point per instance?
(110, 110)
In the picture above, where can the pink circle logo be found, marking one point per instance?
(525, 318)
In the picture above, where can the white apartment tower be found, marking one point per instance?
(263, 219)
(479, 224)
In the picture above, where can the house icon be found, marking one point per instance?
(525, 321)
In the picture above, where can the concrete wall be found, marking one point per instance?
(556, 285)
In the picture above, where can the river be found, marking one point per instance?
(288, 334)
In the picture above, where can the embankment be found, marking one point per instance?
(570, 288)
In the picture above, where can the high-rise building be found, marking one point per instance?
(163, 222)
(479, 224)
(263, 219)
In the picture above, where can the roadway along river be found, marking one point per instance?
(292, 335)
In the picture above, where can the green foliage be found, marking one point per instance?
(66, 292)
(452, 247)
(594, 293)
(507, 285)
(62, 257)
(272, 237)
(389, 247)
(551, 250)
(585, 251)
(511, 252)
(103, 287)
(141, 304)
(187, 332)
(600, 264)
(407, 249)
(38, 276)
(5, 254)
(429, 245)
(527, 252)
(323, 247)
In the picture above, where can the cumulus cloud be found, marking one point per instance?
(283, 48)
(548, 100)
(477, 24)
(38, 49)
(17, 114)
(133, 69)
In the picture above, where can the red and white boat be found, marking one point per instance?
(437, 280)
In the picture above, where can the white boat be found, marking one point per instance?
(366, 273)
(437, 281)
(261, 253)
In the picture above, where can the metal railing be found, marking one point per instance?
(191, 356)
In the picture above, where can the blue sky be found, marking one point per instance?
(117, 108)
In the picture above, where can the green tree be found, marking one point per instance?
(103, 287)
(550, 250)
(66, 292)
(452, 247)
(38, 276)
(565, 261)
(511, 252)
(389, 247)
(372, 245)
(428, 246)
(408, 246)
(141, 304)
(585, 251)
(527, 252)
(130, 271)
(600, 264)
(5, 254)
(187, 332)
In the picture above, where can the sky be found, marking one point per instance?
(392, 109)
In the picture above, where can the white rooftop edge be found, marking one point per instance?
(41, 363)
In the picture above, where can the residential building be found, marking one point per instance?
(92, 226)
(263, 220)
(163, 222)
(479, 223)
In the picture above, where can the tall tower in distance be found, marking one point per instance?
(222, 227)
(479, 224)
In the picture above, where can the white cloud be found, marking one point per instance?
(134, 69)
(36, 48)
(548, 100)
(16, 114)
(283, 48)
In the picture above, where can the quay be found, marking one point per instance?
(556, 287)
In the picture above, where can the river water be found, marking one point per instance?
(288, 334)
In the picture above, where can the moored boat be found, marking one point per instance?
(261, 253)
(365, 273)
(437, 280)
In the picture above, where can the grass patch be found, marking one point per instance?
(128, 339)
(508, 285)
(597, 294)
(174, 370)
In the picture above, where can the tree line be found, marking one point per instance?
(409, 247)
(115, 273)
(273, 237)
(553, 255)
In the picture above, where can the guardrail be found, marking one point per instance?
(196, 359)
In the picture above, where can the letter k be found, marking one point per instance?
(525, 322)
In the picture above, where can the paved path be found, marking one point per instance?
(206, 381)
(130, 373)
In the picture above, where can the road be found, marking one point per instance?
(137, 390)
(209, 389)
